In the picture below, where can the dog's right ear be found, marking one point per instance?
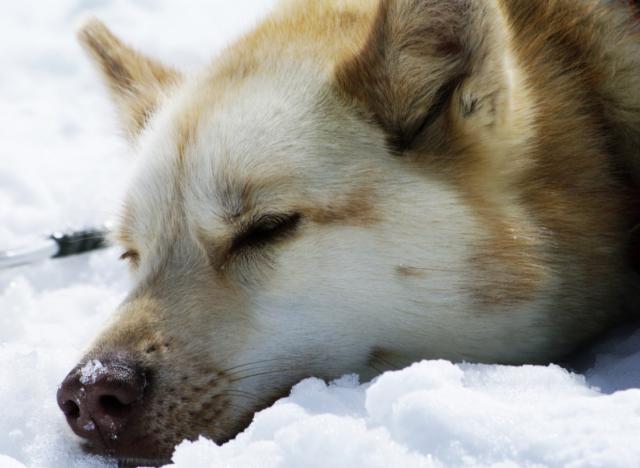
(137, 83)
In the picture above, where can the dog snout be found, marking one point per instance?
(100, 397)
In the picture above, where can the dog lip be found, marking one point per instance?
(130, 460)
(127, 462)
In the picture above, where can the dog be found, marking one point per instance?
(355, 185)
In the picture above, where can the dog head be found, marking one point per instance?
(298, 211)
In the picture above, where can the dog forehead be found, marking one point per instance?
(261, 123)
(262, 142)
(271, 137)
(252, 141)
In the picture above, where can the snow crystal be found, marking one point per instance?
(91, 370)
(90, 426)
(63, 163)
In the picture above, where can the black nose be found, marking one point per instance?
(100, 396)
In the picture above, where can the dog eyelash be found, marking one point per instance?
(265, 230)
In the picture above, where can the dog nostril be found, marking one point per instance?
(70, 409)
(112, 406)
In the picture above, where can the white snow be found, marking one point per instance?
(90, 426)
(438, 414)
(62, 164)
(90, 371)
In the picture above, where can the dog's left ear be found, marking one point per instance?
(137, 83)
(431, 69)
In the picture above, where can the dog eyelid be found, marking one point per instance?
(266, 229)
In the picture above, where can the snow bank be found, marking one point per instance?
(63, 164)
(437, 414)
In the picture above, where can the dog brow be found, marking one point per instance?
(234, 200)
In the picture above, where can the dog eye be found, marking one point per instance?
(265, 230)
(131, 256)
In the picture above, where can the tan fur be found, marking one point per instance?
(136, 82)
(486, 112)
(461, 179)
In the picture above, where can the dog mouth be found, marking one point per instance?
(147, 434)
(126, 461)
(136, 462)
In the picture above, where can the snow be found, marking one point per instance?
(437, 414)
(62, 163)
(91, 370)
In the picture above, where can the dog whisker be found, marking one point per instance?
(256, 362)
(242, 393)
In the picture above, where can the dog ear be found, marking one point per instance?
(431, 67)
(137, 83)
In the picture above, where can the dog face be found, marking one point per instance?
(334, 194)
(268, 243)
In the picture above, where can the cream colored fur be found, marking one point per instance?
(455, 189)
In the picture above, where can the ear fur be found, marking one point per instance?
(428, 58)
(136, 83)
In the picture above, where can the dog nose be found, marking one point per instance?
(100, 396)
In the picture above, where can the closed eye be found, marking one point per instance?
(265, 230)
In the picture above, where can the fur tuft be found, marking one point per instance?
(137, 83)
